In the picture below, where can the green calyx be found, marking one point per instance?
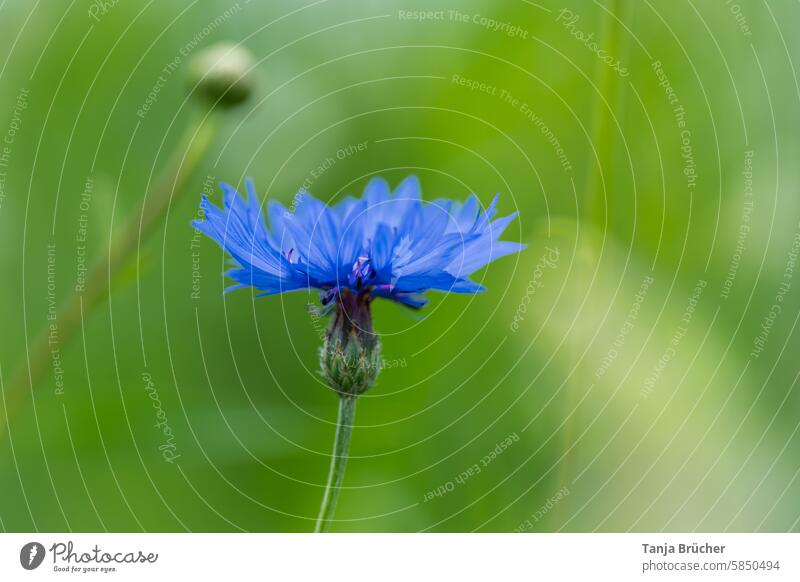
(350, 356)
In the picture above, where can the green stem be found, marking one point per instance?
(597, 189)
(598, 178)
(192, 147)
(341, 446)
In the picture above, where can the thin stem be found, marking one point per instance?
(593, 220)
(192, 147)
(341, 446)
(598, 178)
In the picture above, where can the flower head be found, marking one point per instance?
(222, 74)
(388, 244)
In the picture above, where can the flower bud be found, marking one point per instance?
(222, 74)
(350, 355)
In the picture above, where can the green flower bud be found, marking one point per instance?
(350, 354)
(222, 74)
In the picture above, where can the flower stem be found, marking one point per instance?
(598, 187)
(193, 145)
(604, 131)
(341, 446)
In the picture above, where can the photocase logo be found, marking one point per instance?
(31, 555)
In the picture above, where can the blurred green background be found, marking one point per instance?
(634, 367)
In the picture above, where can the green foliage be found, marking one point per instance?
(713, 445)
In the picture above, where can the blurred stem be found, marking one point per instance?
(192, 147)
(598, 177)
(341, 447)
(598, 185)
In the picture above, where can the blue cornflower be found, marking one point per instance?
(385, 244)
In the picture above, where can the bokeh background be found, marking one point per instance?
(638, 360)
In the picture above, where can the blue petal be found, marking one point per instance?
(389, 244)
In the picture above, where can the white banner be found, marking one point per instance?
(389, 557)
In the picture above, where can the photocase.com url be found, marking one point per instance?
(721, 566)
